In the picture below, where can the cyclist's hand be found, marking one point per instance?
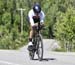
(42, 25)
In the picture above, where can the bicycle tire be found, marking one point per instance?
(40, 42)
(31, 55)
(32, 52)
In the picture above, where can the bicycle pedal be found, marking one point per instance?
(30, 48)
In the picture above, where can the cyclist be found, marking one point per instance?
(35, 15)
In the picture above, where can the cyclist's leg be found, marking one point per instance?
(30, 45)
(31, 34)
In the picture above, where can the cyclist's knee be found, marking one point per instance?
(32, 28)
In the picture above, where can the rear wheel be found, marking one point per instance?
(31, 54)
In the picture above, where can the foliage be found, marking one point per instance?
(64, 28)
(10, 25)
(59, 22)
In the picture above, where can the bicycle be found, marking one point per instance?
(37, 45)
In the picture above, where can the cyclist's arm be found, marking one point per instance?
(42, 16)
(30, 18)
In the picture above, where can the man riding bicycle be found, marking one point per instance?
(35, 15)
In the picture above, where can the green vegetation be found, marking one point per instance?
(59, 21)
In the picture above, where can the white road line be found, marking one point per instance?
(9, 63)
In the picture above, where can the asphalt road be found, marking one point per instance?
(20, 57)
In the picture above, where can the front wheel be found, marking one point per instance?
(40, 47)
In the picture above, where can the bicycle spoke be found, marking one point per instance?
(40, 48)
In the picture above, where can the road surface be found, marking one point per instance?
(20, 57)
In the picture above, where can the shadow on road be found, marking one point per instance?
(47, 59)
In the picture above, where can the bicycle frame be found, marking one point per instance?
(36, 42)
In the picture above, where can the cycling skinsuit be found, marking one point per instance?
(34, 19)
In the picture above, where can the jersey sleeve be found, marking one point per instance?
(30, 18)
(42, 17)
